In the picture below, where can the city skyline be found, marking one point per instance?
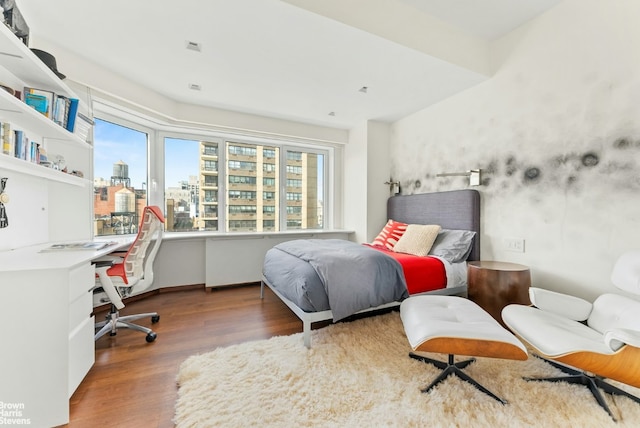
(119, 143)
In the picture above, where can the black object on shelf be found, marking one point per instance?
(14, 20)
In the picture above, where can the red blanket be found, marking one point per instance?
(421, 273)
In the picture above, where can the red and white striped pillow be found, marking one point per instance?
(390, 234)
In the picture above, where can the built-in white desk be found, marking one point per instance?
(47, 330)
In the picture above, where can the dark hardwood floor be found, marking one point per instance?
(133, 383)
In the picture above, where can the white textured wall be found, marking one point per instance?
(556, 132)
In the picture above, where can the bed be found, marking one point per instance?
(296, 271)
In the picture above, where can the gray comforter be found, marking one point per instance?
(354, 276)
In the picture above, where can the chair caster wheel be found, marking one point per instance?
(151, 337)
(113, 333)
(155, 319)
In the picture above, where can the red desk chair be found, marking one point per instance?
(134, 272)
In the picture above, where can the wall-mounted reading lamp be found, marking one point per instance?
(473, 174)
(394, 186)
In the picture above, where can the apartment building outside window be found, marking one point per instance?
(209, 183)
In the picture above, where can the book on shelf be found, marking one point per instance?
(7, 137)
(19, 149)
(60, 109)
(71, 116)
(40, 99)
(77, 246)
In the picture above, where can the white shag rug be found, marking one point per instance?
(358, 374)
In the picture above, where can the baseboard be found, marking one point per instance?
(144, 295)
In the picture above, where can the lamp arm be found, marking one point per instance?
(473, 174)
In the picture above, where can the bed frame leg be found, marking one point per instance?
(261, 289)
(306, 334)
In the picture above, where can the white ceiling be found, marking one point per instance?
(269, 57)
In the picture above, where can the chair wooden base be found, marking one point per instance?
(452, 368)
(594, 383)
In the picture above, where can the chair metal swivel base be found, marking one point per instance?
(452, 368)
(113, 321)
(594, 383)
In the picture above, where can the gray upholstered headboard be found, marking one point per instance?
(457, 209)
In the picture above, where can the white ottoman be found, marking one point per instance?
(456, 326)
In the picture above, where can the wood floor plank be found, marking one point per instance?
(133, 383)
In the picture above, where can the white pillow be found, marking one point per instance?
(417, 239)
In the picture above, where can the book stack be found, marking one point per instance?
(62, 110)
(17, 144)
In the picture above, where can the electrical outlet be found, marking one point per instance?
(514, 244)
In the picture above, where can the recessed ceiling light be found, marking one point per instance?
(195, 86)
(194, 46)
(364, 89)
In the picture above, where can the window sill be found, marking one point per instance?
(177, 236)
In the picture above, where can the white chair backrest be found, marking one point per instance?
(626, 272)
(138, 263)
(616, 311)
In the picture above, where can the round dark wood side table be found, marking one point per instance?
(494, 285)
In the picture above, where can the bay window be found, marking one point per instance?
(204, 183)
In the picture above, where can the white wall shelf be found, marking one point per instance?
(9, 163)
(52, 353)
(14, 111)
(20, 61)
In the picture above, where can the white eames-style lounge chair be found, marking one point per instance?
(588, 341)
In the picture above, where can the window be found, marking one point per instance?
(241, 194)
(293, 169)
(204, 182)
(236, 225)
(242, 209)
(210, 165)
(295, 156)
(120, 177)
(191, 184)
(268, 224)
(249, 166)
(242, 150)
(241, 179)
(305, 174)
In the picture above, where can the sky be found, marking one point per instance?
(114, 143)
(117, 143)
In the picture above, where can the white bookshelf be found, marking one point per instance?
(47, 299)
(63, 209)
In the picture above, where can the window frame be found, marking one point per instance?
(157, 131)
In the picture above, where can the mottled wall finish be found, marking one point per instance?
(556, 132)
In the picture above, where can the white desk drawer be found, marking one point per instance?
(80, 309)
(81, 353)
(81, 280)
